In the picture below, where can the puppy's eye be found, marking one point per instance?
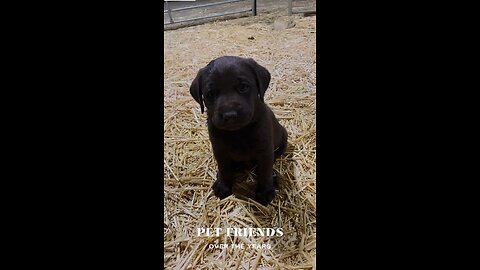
(243, 88)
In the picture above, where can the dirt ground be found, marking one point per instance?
(279, 7)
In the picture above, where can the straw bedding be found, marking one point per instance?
(190, 168)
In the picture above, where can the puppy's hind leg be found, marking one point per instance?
(282, 146)
(274, 177)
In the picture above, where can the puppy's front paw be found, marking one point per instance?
(221, 190)
(265, 196)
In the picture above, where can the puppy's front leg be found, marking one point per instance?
(265, 191)
(223, 185)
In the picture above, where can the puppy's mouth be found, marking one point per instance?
(230, 127)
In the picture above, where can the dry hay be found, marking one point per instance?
(190, 167)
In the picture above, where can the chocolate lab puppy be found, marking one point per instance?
(242, 129)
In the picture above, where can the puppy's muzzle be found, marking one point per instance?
(229, 116)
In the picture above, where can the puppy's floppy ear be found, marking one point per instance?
(196, 86)
(262, 77)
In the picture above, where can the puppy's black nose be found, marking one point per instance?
(227, 116)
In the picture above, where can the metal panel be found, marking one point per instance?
(292, 11)
(207, 5)
(213, 16)
(169, 11)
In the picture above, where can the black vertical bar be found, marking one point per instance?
(254, 7)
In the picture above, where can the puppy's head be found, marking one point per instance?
(230, 88)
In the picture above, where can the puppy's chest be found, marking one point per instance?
(238, 148)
